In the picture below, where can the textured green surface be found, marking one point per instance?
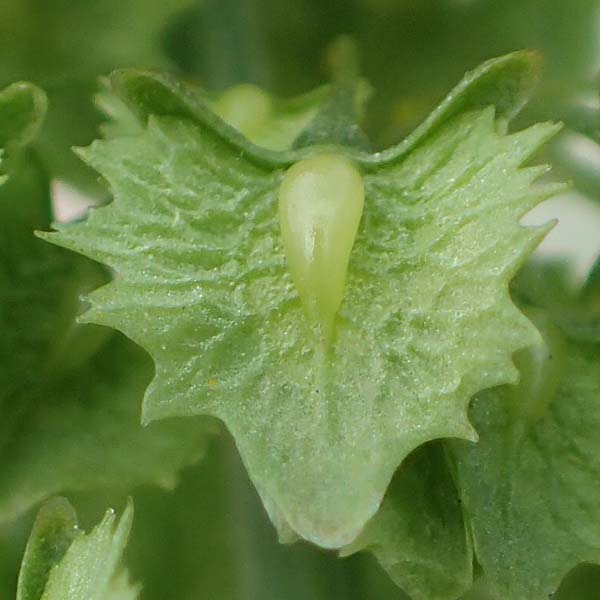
(90, 568)
(531, 485)
(418, 535)
(426, 321)
(70, 394)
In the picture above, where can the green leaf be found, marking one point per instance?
(69, 393)
(418, 535)
(531, 485)
(39, 287)
(426, 320)
(88, 570)
(54, 530)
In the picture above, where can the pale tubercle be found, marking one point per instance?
(245, 107)
(321, 201)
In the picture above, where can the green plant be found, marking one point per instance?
(401, 381)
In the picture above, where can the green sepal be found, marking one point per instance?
(63, 563)
(53, 532)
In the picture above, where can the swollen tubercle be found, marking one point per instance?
(321, 201)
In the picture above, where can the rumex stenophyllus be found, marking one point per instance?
(212, 282)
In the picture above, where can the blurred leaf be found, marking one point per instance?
(530, 486)
(22, 109)
(54, 530)
(83, 432)
(13, 541)
(582, 583)
(338, 119)
(70, 393)
(87, 567)
(39, 287)
(544, 283)
(550, 285)
(412, 50)
(418, 534)
(64, 46)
